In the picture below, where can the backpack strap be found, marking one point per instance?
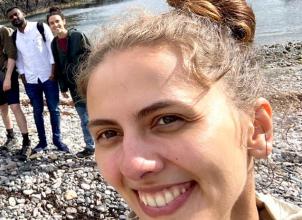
(40, 28)
(14, 37)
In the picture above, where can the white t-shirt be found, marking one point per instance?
(34, 55)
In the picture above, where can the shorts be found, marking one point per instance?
(11, 96)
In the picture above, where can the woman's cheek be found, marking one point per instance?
(107, 165)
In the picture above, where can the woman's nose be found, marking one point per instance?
(139, 159)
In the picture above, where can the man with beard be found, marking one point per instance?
(36, 65)
(9, 94)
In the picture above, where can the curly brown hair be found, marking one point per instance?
(204, 32)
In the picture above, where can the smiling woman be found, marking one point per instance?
(176, 113)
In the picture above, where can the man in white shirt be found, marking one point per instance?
(35, 64)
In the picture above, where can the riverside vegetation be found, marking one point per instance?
(53, 185)
(32, 7)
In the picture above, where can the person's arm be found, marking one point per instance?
(86, 41)
(11, 52)
(8, 75)
(20, 67)
(49, 38)
(84, 50)
(57, 71)
(52, 74)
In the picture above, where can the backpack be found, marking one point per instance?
(40, 28)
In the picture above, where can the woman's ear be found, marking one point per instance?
(260, 133)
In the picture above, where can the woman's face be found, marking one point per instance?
(57, 24)
(170, 148)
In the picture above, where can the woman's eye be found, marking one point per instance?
(108, 134)
(168, 123)
(168, 119)
(107, 137)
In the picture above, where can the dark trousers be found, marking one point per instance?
(35, 92)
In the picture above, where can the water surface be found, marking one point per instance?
(277, 20)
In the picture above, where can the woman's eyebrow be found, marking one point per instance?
(101, 122)
(160, 105)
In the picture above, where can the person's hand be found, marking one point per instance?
(65, 95)
(51, 77)
(7, 84)
(22, 76)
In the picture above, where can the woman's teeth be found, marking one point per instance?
(162, 198)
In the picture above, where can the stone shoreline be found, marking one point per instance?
(282, 67)
(61, 186)
(43, 9)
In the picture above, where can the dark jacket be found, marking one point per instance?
(7, 50)
(66, 65)
(7, 47)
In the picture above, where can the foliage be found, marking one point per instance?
(29, 6)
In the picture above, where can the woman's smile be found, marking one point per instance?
(164, 200)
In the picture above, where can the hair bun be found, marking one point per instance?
(236, 14)
(175, 3)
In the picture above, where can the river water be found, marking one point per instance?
(278, 21)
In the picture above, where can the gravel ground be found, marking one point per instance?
(61, 186)
(281, 174)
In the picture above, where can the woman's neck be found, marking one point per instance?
(245, 207)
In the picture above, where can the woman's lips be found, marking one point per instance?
(166, 200)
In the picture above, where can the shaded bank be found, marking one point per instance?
(33, 7)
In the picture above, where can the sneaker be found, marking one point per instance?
(25, 152)
(10, 142)
(87, 152)
(40, 147)
(62, 147)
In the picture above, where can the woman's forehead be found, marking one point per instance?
(142, 63)
(142, 73)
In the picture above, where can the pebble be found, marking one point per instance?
(70, 217)
(85, 186)
(28, 192)
(107, 192)
(12, 201)
(71, 210)
(53, 156)
(70, 194)
(57, 184)
(20, 201)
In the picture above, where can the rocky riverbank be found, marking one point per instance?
(61, 186)
(32, 8)
(281, 175)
